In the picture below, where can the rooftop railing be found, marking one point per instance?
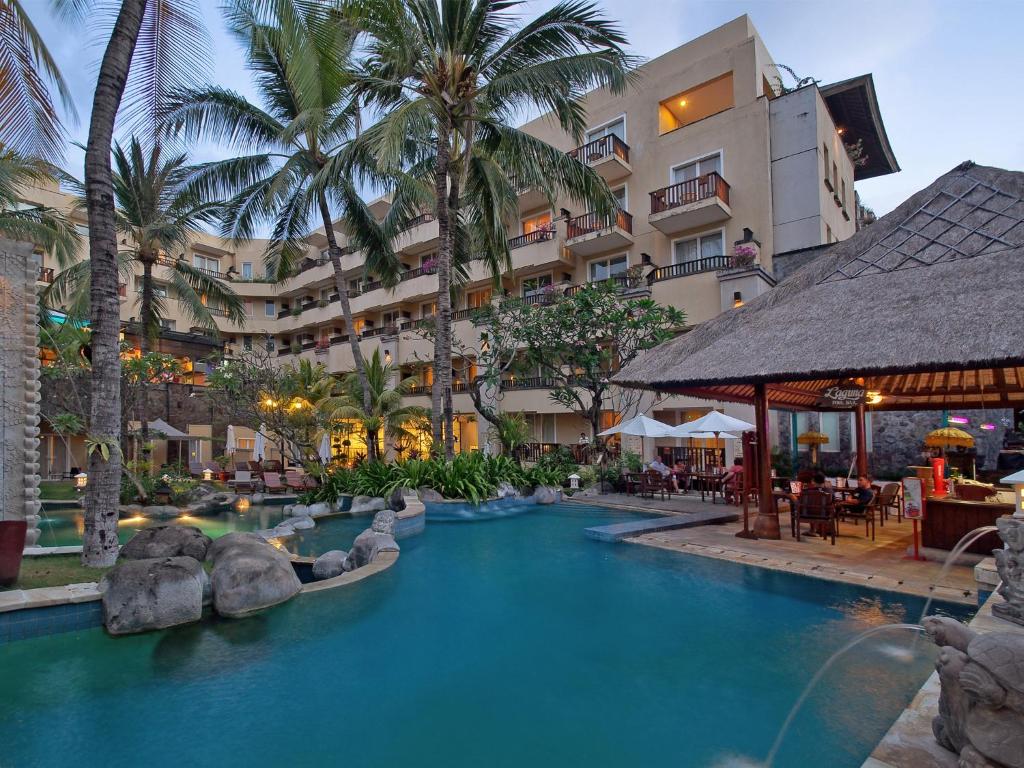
(705, 187)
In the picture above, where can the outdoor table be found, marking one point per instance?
(708, 484)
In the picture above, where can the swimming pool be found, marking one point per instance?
(63, 527)
(509, 642)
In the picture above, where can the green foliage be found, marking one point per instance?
(333, 483)
(559, 460)
(375, 478)
(546, 475)
(512, 431)
(782, 463)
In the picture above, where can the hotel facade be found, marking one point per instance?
(718, 168)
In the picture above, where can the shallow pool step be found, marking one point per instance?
(620, 531)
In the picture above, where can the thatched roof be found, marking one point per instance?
(927, 303)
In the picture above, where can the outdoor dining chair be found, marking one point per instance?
(815, 506)
(865, 513)
(889, 500)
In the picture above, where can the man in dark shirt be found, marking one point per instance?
(861, 497)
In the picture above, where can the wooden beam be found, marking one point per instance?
(766, 524)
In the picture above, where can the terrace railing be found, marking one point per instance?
(684, 268)
(704, 187)
(591, 222)
(537, 236)
(598, 149)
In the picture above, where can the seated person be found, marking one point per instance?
(861, 497)
(819, 481)
(732, 478)
(680, 470)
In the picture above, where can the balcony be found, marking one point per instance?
(690, 204)
(589, 234)
(695, 267)
(608, 155)
(537, 236)
(46, 275)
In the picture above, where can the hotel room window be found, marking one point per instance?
(708, 98)
(602, 269)
(692, 249)
(827, 161)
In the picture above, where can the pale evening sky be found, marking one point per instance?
(947, 72)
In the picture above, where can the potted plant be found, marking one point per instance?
(296, 310)
(744, 255)
(223, 461)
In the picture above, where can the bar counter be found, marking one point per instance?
(947, 520)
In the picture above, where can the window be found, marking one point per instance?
(166, 324)
(614, 128)
(687, 107)
(620, 197)
(428, 310)
(824, 154)
(325, 255)
(206, 263)
(534, 285)
(477, 299)
(269, 309)
(842, 193)
(602, 269)
(835, 176)
(245, 443)
(547, 428)
(803, 424)
(248, 308)
(830, 427)
(537, 221)
(697, 168)
(270, 344)
(247, 343)
(695, 248)
(247, 270)
(159, 289)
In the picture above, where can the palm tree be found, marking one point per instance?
(386, 413)
(454, 76)
(27, 70)
(299, 53)
(46, 227)
(169, 46)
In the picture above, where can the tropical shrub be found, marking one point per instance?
(376, 478)
(546, 475)
(333, 483)
(559, 460)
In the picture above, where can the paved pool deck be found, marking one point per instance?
(855, 559)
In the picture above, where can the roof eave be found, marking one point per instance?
(864, 88)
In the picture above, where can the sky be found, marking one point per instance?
(947, 73)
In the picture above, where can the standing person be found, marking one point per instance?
(582, 447)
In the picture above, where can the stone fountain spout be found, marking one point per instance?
(981, 706)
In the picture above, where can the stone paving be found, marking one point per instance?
(855, 559)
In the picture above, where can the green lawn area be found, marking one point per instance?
(57, 490)
(54, 571)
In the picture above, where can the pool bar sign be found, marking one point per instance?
(842, 396)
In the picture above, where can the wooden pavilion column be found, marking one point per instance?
(860, 429)
(766, 524)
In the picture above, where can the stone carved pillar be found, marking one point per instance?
(19, 373)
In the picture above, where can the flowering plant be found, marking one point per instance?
(744, 255)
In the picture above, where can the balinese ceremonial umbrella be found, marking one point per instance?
(813, 439)
(948, 437)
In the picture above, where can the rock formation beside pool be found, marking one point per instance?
(384, 522)
(249, 574)
(547, 495)
(154, 593)
(167, 541)
(367, 546)
(363, 505)
(981, 706)
(329, 564)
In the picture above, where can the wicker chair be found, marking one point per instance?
(815, 505)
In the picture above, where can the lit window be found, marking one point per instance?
(269, 308)
(476, 299)
(245, 443)
(606, 268)
(538, 221)
(696, 248)
(534, 285)
(687, 107)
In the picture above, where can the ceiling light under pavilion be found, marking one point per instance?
(959, 420)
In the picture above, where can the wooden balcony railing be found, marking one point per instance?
(598, 149)
(685, 268)
(384, 330)
(537, 236)
(704, 187)
(423, 218)
(591, 222)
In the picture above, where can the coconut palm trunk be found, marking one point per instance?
(441, 393)
(346, 310)
(99, 542)
(147, 315)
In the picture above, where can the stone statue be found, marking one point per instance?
(1010, 564)
(981, 705)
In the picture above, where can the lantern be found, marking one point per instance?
(1017, 481)
(81, 480)
(207, 474)
(574, 480)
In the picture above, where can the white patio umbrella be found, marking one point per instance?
(715, 421)
(325, 448)
(230, 446)
(709, 436)
(259, 449)
(639, 426)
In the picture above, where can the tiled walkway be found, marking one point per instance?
(855, 559)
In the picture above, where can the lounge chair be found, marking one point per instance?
(254, 467)
(242, 466)
(272, 482)
(298, 482)
(243, 481)
(272, 465)
(889, 501)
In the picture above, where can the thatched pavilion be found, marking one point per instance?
(924, 309)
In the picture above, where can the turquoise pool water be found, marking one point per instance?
(510, 642)
(63, 527)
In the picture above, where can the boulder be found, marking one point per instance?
(297, 509)
(367, 546)
(430, 495)
(362, 505)
(396, 501)
(329, 564)
(508, 491)
(160, 511)
(130, 510)
(258, 498)
(198, 493)
(167, 541)
(303, 523)
(249, 574)
(545, 494)
(319, 509)
(155, 593)
(384, 522)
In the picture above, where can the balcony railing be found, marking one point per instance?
(384, 330)
(423, 218)
(704, 187)
(598, 149)
(591, 222)
(582, 454)
(537, 236)
(685, 268)
(528, 382)
(463, 314)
